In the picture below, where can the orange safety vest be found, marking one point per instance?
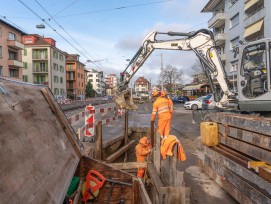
(141, 152)
(163, 108)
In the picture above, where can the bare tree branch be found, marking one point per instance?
(170, 77)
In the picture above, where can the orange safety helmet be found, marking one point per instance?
(143, 140)
(163, 93)
(155, 93)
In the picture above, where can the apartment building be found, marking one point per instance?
(96, 78)
(236, 21)
(142, 87)
(44, 64)
(11, 51)
(75, 76)
(111, 82)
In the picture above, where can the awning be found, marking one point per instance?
(256, 27)
(192, 87)
(250, 3)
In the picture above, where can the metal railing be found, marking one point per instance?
(218, 16)
(254, 17)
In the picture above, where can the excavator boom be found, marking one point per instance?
(200, 42)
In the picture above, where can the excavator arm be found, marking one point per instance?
(200, 42)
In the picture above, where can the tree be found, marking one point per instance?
(170, 76)
(198, 73)
(90, 92)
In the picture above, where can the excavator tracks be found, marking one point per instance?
(241, 162)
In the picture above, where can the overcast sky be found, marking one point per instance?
(110, 31)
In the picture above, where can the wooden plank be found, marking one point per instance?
(172, 195)
(154, 177)
(265, 173)
(126, 133)
(246, 188)
(128, 165)
(62, 120)
(136, 192)
(235, 167)
(253, 124)
(152, 133)
(156, 153)
(248, 149)
(98, 141)
(257, 139)
(119, 152)
(143, 193)
(227, 186)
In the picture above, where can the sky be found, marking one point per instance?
(109, 32)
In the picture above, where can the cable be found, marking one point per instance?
(117, 8)
(4, 17)
(65, 8)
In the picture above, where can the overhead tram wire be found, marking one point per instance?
(51, 17)
(112, 9)
(53, 28)
(65, 8)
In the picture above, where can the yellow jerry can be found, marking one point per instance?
(209, 133)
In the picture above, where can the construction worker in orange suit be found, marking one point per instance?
(143, 148)
(162, 107)
(164, 94)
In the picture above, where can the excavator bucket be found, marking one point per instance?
(124, 100)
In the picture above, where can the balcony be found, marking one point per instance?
(220, 38)
(71, 78)
(15, 63)
(254, 17)
(40, 70)
(15, 44)
(46, 83)
(217, 20)
(40, 57)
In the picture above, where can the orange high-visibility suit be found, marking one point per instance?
(142, 151)
(163, 108)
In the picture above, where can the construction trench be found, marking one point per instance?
(41, 154)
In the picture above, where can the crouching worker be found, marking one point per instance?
(142, 151)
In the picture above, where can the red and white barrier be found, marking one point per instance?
(89, 121)
(76, 117)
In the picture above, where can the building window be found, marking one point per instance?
(56, 79)
(61, 68)
(90, 80)
(25, 78)
(56, 91)
(234, 21)
(0, 32)
(81, 76)
(25, 52)
(61, 57)
(90, 75)
(0, 51)
(40, 54)
(61, 80)
(62, 91)
(55, 54)
(55, 67)
(1, 71)
(78, 75)
(25, 65)
(12, 55)
(14, 73)
(11, 36)
(234, 66)
(234, 43)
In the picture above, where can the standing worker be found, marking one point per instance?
(162, 107)
(142, 150)
(164, 94)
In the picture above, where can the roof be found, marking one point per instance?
(192, 87)
(142, 80)
(13, 27)
(210, 6)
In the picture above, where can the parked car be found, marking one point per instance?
(181, 99)
(208, 102)
(194, 105)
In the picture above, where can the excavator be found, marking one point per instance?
(253, 77)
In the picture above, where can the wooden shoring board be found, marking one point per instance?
(263, 141)
(248, 149)
(253, 124)
(265, 173)
(143, 197)
(251, 192)
(235, 167)
(227, 186)
(128, 165)
(120, 151)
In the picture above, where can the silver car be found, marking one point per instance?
(194, 105)
(208, 102)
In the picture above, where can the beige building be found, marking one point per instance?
(111, 81)
(44, 64)
(142, 87)
(96, 78)
(11, 51)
